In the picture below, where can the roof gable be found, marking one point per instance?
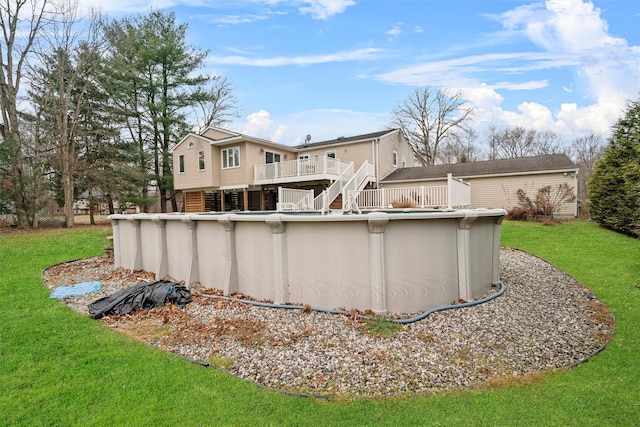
(547, 163)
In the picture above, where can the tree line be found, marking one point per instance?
(93, 106)
(438, 124)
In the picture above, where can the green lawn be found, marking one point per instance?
(59, 368)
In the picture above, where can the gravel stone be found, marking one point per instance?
(544, 321)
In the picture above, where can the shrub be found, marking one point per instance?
(547, 202)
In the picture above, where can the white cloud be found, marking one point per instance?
(460, 71)
(322, 9)
(258, 124)
(396, 30)
(571, 35)
(343, 56)
(235, 19)
(561, 26)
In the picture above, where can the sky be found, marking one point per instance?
(333, 68)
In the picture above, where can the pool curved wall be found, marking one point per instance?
(401, 262)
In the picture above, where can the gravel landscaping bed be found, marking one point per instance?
(544, 321)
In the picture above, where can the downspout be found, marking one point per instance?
(376, 143)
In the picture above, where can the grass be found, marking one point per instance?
(59, 368)
(381, 326)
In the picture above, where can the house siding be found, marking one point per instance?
(192, 177)
(216, 134)
(236, 175)
(375, 148)
(357, 153)
(388, 144)
(500, 192)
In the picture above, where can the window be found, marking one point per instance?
(303, 157)
(404, 161)
(181, 163)
(191, 144)
(271, 157)
(331, 154)
(200, 160)
(231, 158)
(395, 158)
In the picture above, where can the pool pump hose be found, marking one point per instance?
(362, 316)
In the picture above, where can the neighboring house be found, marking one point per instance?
(494, 183)
(220, 170)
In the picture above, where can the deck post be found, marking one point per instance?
(280, 265)
(161, 268)
(463, 235)
(449, 191)
(377, 222)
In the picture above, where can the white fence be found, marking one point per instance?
(290, 199)
(455, 194)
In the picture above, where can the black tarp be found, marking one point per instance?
(145, 295)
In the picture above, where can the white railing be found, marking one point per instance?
(459, 192)
(324, 199)
(290, 199)
(299, 168)
(455, 194)
(360, 179)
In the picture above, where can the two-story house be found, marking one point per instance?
(221, 170)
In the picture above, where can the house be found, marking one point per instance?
(221, 170)
(494, 183)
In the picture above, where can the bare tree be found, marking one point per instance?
(586, 150)
(429, 118)
(218, 105)
(21, 22)
(515, 142)
(60, 86)
(460, 150)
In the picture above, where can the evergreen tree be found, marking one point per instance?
(614, 187)
(155, 86)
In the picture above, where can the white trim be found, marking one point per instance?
(233, 187)
(204, 162)
(272, 152)
(224, 157)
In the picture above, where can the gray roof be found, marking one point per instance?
(343, 139)
(551, 162)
